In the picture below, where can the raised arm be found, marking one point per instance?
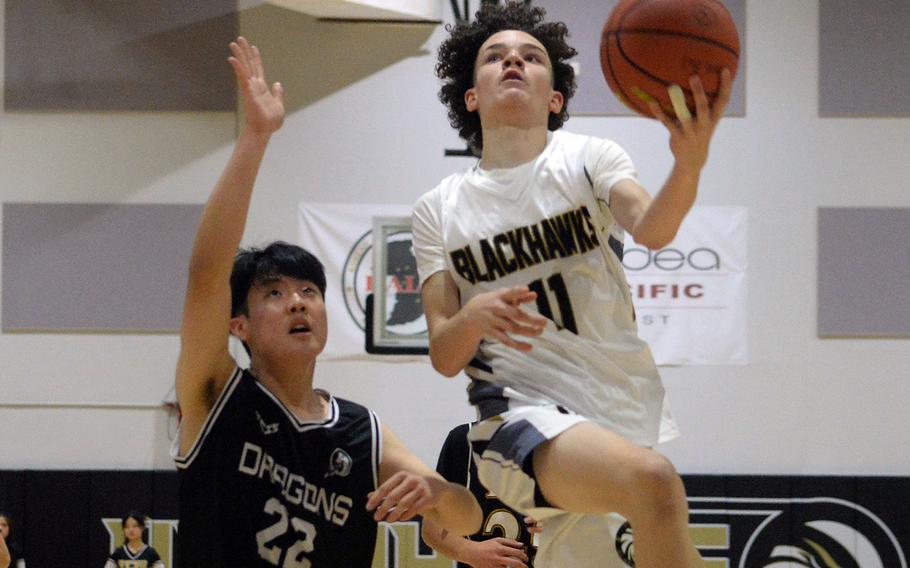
(408, 488)
(456, 332)
(205, 364)
(654, 222)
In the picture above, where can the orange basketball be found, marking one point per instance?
(648, 45)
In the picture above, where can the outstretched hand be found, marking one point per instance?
(403, 496)
(263, 107)
(498, 314)
(690, 136)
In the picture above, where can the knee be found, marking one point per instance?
(658, 487)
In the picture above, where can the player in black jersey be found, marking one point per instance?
(143, 557)
(505, 537)
(134, 553)
(274, 472)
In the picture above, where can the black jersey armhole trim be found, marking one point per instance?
(470, 455)
(183, 462)
(376, 447)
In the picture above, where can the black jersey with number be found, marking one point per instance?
(261, 488)
(456, 464)
(145, 558)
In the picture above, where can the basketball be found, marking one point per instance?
(648, 45)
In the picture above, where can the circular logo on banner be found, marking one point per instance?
(404, 304)
(357, 269)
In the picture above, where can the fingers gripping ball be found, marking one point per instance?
(648, 45)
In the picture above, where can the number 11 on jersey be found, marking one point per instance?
(557, 286)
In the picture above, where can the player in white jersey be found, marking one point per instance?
(523, 287)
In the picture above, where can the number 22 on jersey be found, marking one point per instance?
(294, 556)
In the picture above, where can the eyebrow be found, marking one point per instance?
(494, 46)
(272, 279)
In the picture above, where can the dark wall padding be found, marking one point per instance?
(736, 520)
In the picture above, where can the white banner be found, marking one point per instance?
(340, 235)
(690, 297)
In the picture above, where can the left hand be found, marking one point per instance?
(402, 497)
(263, 106)
(690, 137)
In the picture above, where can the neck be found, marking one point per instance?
(507, 146)
(135, 544)
(293, 385)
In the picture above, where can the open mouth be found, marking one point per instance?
(299, 329)
(512, 76)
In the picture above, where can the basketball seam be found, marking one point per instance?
(648, 74)
(633, 101)
(627, 99)
(697, 38)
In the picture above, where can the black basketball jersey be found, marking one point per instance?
(261, 488)
(456, 464)
(145, 558)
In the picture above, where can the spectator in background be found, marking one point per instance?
(10, 551)
(4, 553)
(134, 553)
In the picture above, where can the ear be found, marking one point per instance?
(239, 327)
(470, 99)
(556, 102)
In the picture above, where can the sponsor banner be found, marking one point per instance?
(340, 235)
(736, 521)
(690, 297)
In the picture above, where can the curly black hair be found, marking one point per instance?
(458, 53)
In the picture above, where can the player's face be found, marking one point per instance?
(132, 530)
(286, 317)
(4, 527)
(513, 82)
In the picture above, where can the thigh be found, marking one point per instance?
(589, 469)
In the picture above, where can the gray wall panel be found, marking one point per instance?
(82, 267)
(863, 57)
(585, 20)
(864, 272)
(123, 55)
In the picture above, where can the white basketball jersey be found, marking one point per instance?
(536, 225)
